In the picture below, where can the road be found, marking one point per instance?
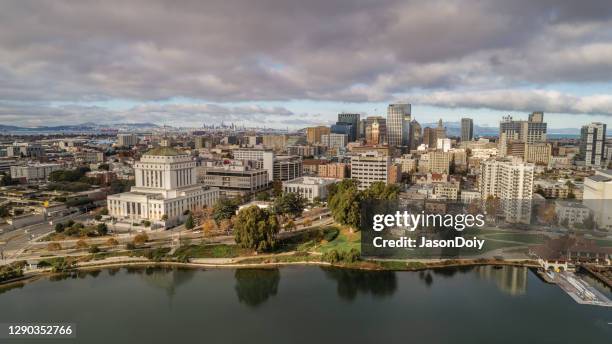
(14, 241)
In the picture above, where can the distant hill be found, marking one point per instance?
(78, 127)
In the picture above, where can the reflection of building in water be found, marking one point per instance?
(167, 279)
(509, 279)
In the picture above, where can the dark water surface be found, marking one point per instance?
(308, 305)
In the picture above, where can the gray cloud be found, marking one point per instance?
(172, 114)
(342, 50)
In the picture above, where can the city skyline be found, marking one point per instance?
(66, 64)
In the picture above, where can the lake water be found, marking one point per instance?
(308, 305)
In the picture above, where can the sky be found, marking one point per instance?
(296, 63)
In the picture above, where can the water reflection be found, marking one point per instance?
(255, 286)
(168, 279)
(509, 279)
(352, 282)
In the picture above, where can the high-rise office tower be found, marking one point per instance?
(398, 122)
(429, 137)
(414, 139)
(530, 131)
(440, 131)
(354, 120)
(313, 134)
(592, 142)
(376, 130)
(467, 129)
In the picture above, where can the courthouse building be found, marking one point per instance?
(166, 187)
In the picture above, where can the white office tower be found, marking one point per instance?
(398, 124)
(598, 197)
(166, 187)
(370, 167)
(511, 181)
(444, 145)
(592, 144)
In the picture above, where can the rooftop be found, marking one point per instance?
(163, 151)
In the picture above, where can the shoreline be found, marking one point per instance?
(36, 275)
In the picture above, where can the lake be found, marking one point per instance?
(307, 305)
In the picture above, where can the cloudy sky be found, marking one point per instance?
(292, 63)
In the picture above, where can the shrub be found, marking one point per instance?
(94, 249)
(54, 246)
(140, 239)
(82, 244)
(59, 227)
(331, 256)
(112, 242)
(352, 256)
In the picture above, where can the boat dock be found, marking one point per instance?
(577, 288)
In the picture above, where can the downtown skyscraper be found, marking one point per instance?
(592, 142)
(467, 129)
(398, 124)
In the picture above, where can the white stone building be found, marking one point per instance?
(166, 187)
(309, 187)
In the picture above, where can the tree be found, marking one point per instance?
(59, 227)
(104, 211)
(104, 167)
(225, 208)
(344, 202)
(382, 191)
(290, 225)
(256, 228)
(189, 222)
(492, 206)
(102, 229)
(164, 217)
(262, 196)
(289, 204)
(277, 188)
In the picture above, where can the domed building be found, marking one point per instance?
(166, 187)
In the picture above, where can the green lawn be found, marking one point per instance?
(212, 251)
(344, 242)
(525, 238)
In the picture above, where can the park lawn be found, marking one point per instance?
(212, 251)
(344, 242)
(525, 238)
(603, 242)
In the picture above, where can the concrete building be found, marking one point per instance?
(233, 179)
(511, 181)
(334, 141)
(467, 129)
(275, 142)
(531, 131)
(25, 150)
(34, 172)
(335, 170)
(592, 143)
(313, 134)
(573, 213)
(202, 142)
(370, 167)
(597, 196)
(538, 153)
(398, 124)
(127, 140)
(305, 151)
(309, 187)
(287, 167)
(264, 159)
(166, 187)
(443, 144)
(89, 156)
